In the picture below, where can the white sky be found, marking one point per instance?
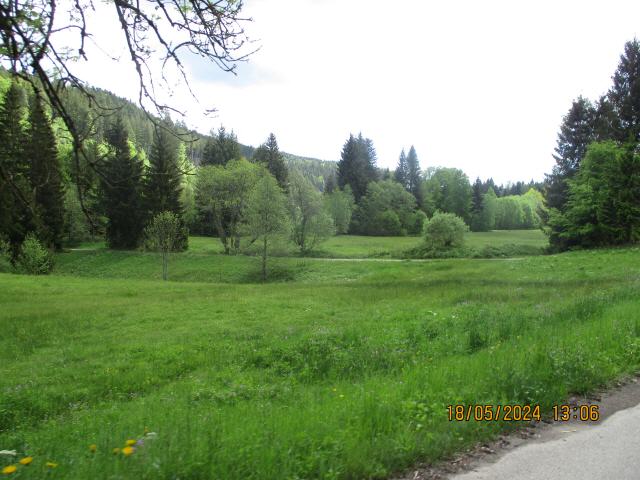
(478, 85)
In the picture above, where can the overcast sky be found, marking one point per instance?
(478, 85)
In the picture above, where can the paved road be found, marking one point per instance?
(609, 450)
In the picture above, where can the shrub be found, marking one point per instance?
(5, 256)
(387, 223)
(444, 231)
(34, 259)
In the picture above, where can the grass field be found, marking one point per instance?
(343, 372)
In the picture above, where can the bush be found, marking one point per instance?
(388, 224)
(34, 259)
(444, 231)
(5, 256)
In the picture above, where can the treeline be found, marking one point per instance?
(593, 192)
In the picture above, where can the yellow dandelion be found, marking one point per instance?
(51, 464)
(26, 460)
(93, 447)
(126, 451)
(130, 443)
(8, 470)
(116, 451)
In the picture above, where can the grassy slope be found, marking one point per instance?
(345, 374)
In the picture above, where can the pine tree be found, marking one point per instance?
(220, 148)
(477, 203)
(624, 95)
(270, 156)
(122, 186)
(16, 205)
(46, 176)
(357, 165)
(413, 175)
(401, 172)
(576, 133)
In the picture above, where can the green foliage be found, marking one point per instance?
(624, 94)
(164, 234)
(340, 204)
(269, 155)
(5, 255)
(357, 165)
(444, 231)
(33, 259)
(221, 148)
(266, 217)
(447, 190)
(122, 189)
(386, 209)
(311, 223)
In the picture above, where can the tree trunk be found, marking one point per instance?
(165, 265)
(264, 260)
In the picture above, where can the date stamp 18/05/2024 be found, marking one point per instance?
(521, 413)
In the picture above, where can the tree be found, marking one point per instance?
(269, 155)
(122, 187)
(16, 205)
(447, 190)
(163, 183)
(414, 180)
(223, 193)
(401, 174)
(163, 235)
(477, 206)
(221, 148)
(444, 230)
(266, 217)
(340, 205)
(357, 165)
(311, 223)
(624, 95)
(45, 176)
(576, 133)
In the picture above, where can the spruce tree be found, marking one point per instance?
(16, 205)
(357, 165)
(221, 147)
(269, 155)
(624, 95)
(401, 172)
(122, 186)
(576, 133)
(46, 176)
(477, 203)
(413, 175)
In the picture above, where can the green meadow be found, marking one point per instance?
(338, 369)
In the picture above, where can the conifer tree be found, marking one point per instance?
(401, 172)
(413, 175)
(357, 165)
(122, 186)
(477, 197)
(221, 147)
(16, 206)
(269, 155)
(46, 176)
(624, 95)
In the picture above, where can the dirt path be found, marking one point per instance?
(571, 450)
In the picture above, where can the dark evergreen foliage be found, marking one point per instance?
(220, 148)
(269, 155)
(357, 165)
(414, 179)
(122, 191)
(401, 174)
(624, 95)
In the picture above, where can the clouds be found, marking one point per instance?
(481, 86)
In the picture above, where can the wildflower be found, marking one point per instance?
(11, 453)
(8, 470)
(126, 451)
(93, 447)
(26, 460)
(116, 451)
(130, 443)
(151, 435)
(51, 464)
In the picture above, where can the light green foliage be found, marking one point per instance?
(447, 190)
(340, 205)
(349, 369)
(387, 209)
(163, 234)
(33, 258)
(444, 230)
(223, 192)
(311, 224)
(76, 228)
(266, 217)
